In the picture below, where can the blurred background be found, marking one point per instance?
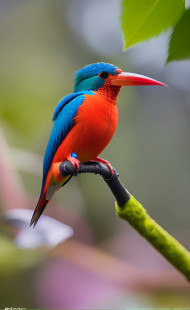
(106, 264)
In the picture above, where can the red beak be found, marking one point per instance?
(132, 79)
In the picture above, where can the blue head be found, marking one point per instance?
(93, 77)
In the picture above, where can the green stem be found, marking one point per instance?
(169, 247)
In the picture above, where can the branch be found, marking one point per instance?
(129, 209)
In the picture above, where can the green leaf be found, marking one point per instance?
(142, 19)
(179, 46)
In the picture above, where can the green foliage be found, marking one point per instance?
(179, 47)
(143, 19)
(13, 259)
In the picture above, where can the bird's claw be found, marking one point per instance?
(103, 161)
(75, 162)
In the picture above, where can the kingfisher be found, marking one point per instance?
(84, 124)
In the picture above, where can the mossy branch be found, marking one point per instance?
(134, 213)
(129, 209)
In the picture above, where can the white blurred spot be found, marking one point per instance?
(27, 161)
(150, 54)
(48, 231)
(98, 22)
(178, 73)
(187, 4)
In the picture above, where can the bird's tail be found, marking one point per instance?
(54, 182)
(42, 203)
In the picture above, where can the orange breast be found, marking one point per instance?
(94, 127)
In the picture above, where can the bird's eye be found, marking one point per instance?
(104, 75)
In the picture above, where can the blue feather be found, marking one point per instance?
(87, 78)
(66, 100)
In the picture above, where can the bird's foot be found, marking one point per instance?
(103, 161)
(74, 161)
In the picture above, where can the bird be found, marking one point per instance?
(84, 124)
